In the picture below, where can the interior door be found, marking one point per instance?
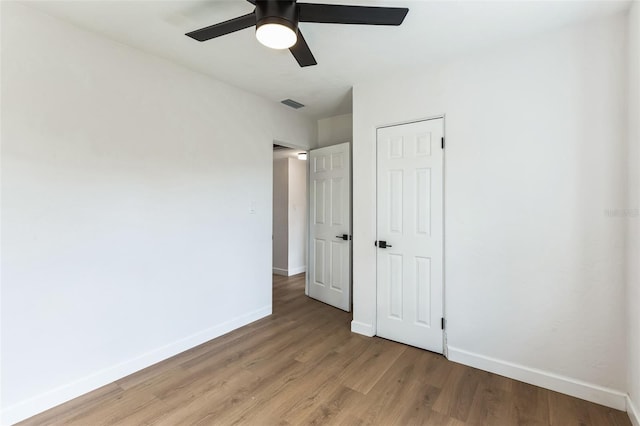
(330, 239)
(410, 234)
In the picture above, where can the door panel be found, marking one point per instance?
(318, 200)
(410, 220)
(395, 286)
(337, 208)
(318, 261)
(330, 255)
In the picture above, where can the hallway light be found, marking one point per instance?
(302, 156)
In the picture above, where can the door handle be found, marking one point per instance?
(382, 244)
(344, 237)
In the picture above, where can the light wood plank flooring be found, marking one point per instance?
(302, 365)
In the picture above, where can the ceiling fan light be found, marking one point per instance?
(276, 36)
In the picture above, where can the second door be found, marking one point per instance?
(330, 210)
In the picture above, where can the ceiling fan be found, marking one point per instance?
(277, 21)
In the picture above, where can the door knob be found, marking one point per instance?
(382, 244)
(343, 237)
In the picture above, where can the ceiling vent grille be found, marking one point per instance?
(293, 104)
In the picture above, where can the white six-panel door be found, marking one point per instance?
(330, 210)
(410, 222)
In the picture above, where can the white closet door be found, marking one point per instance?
(410, 234)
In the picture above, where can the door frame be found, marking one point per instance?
(308, 206)
(444, 217)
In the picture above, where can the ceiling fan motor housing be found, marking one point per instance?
(277, 12)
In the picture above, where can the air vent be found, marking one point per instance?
(293, 104)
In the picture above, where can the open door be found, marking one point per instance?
(330, 230)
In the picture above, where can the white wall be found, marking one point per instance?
(297, 216)
(335, 130)
(534, 163)
(633, 216)
(280, 216)
(127, 183)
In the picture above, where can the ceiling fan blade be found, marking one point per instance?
(302, 53)
(340, 14)
(226, 27)
(252, 1)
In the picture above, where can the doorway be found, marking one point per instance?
(410, 234)
(289, 242)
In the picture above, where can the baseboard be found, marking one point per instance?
(362, 328)
(567, 385)
(28, 408)
(289, 272)
(280, 271)
(633, 412)
(297, 270)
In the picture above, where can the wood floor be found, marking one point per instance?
(302, 365)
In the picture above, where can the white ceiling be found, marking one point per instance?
(433, 31)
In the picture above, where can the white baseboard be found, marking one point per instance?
(545, 379)
(28, 408)
(289, 272)
(362, 328)
(280, 271)
(633, 412)
(297, 270)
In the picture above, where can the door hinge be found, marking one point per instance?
(442, 323)
(442, 142)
